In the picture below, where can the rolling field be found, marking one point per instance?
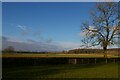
(17, 55)
(62, 71)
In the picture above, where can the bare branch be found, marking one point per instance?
(113, 33)
(104, 18)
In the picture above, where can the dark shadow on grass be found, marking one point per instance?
(37, 72)
(31, 73)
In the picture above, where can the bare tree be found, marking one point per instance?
(103, 28)
(9, 49)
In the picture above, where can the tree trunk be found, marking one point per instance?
(105, 51)
(105, 48)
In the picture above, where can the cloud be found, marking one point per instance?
(92, 28)
(32, 45)
(25, 29)
(3, 38)
(49, 41)
(22, 27)
(30, 40)
(37, 33)
(29, 45)
(85, 32)
(69, 45)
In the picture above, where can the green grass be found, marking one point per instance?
(63, 71)
(23, 55)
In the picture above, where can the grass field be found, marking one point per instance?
(10, 55)
(63, 71)
(36, 72)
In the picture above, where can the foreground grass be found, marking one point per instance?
(63, 71)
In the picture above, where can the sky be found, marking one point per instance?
(53, 26)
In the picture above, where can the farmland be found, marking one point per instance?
(42, 66)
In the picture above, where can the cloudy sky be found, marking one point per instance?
(40, 26)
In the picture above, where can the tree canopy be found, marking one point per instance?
(103, 28)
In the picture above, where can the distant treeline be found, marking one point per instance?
(23, 52)
(78, 51)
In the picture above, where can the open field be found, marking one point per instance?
(63, 71)
(23, 55)
(42, 66)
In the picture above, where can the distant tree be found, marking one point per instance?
(9, 49)
(63, 51)
(103, 28)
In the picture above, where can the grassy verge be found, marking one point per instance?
(63, 71)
